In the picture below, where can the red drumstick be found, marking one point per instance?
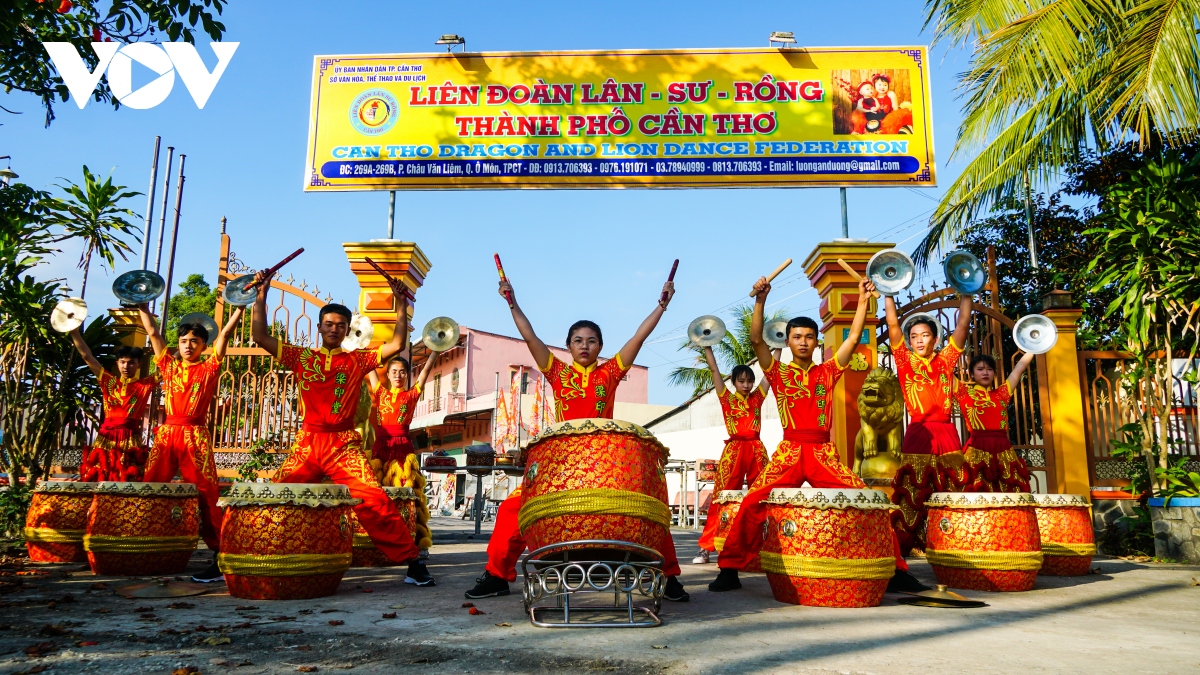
(392, 281)
(670, 278)
(270, 271)
(500, 269)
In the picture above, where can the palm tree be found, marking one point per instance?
(734, 350)
(1050, 80)
(92, 214)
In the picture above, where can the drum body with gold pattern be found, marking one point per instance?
(828, 547)
(142, 529)
(1065, 529)
(364, 553)
(984, 541)
(285, 541)
(57, 520)
(725, 508)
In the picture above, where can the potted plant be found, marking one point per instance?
(1175, 509)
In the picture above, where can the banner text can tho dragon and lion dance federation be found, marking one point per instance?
(608, 119)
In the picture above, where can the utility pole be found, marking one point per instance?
(1033, 257)
(845, 217)
(174, 241)
(150, 205)
(391, 214)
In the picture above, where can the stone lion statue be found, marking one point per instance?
(877, 445)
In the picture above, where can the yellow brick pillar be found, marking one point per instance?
(402, 260)
(839, 301)
(129, 327)
(1066, 399)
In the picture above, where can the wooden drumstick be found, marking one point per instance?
(500, 269)
(670, 278)
(774, 274)
(854, 275)
(393, 282)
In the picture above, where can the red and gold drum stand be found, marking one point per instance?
(984, 541)
(57, 520)
(828, 547)
(142, 529)
(286, 541)
(725, 508)
(365, 554)
(1068, 540)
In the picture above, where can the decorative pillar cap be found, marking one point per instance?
(1058, 299)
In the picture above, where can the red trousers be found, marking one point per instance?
(932, 461)
(117, 454)
(742, 461)
(506, 545)
(794, 463)
(187, 448)
(338, 456)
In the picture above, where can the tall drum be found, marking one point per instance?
(828, 547)
(725, 508)
(984, 541)
(595, 479)
(1068, 540)
(142, 529)
(57, 520)
(364, 552)
(286, 541)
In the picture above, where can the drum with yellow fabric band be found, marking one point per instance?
(57, 520)
(365, 554)
(984, 541)
(142, 529)
(1067, 538)
(286, 541)
(725, 508)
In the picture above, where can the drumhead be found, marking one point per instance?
(594, 425)
(65, 487)
(831, 498)
(1062, 500)
(128, 489)
(980, 500)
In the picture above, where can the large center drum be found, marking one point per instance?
(286, 541)
(828, 547)
(142, 529)
(57, 520)
(595, 479)
(725, 507)
(1065, 529)
(984, 541)
(365, 554)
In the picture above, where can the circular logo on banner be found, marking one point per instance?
(373, 112)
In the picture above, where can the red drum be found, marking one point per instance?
(286, 541)
(1068, 540)
(595, 479)
(725, 508)
(57, 520)
(364, 552)
(984, 541)
(828, 547)
(142, 529)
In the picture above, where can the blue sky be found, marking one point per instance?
(598, 254)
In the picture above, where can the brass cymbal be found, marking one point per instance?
(940, 597)
(362, 331)
(440, 334)
(775, 334)
(68, 314)
(706, 331)
(138, 286)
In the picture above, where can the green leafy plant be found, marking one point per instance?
(92, 214)
(1130, 535)
(260, 459)
(14, 503)
(1128, 447)
(196, 296)
(1177, 481)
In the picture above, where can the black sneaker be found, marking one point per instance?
(904, 582)
(418, 575)
(727, 580)
(211, 574)
(674, 591)
(487, 586)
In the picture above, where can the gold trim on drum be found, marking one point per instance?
(288, 565)
(295, 494)
(1061, 500)
(593, 425)
(362, 541)
(827, 568)
(986, 560)
(49, 535)
(108, 543)
(980, 500)
(594, 501)
(831, 498)
(730, 497)
(65, 487)
(401, 493)
(176, 490)
(1068, 550)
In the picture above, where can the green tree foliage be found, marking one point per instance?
(26, 24)
(196, 296)
(734, 350)
(93, 215)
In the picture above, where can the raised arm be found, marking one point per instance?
(966, 307)
(373, 377)
(845, 350)
(761, 350)
(152, 331)
(895, 335)
(1018, 370)
(425, 369)
(86, 352)
(630, 351)
(537, 348)
(231, 325)
(259, 330)
(718, 381)
(764, 383)
(399, 340)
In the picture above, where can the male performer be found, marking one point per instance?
(117, 454)
(804, 394)
(327, 444)
(991, 462)
(744, 455)
(582, 389)
(182, 442)
(932, 459)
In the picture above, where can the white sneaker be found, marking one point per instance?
(701, 559)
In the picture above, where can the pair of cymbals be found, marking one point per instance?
(709, 331)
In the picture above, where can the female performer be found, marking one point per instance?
(118, 453)
(991, 461)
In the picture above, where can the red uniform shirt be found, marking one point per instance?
(579, 392)
(188, 388)
(329, 381)
(984, 409)
(125, 399)
(393, 407)
(743, 414)
(928, 385)
(804, 397)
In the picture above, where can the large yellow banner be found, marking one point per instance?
(827, 116)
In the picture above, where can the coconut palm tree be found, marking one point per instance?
(734, 350)
(92, 214)
(1050, 80)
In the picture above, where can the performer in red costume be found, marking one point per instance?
(118, 453)
(392, 408)
(582, 389)
(932, 458)
(182, 442)
(328, 445)
(744, 455)
(991, 461)
(804, 394)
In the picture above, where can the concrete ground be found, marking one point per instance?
(1127, 618)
